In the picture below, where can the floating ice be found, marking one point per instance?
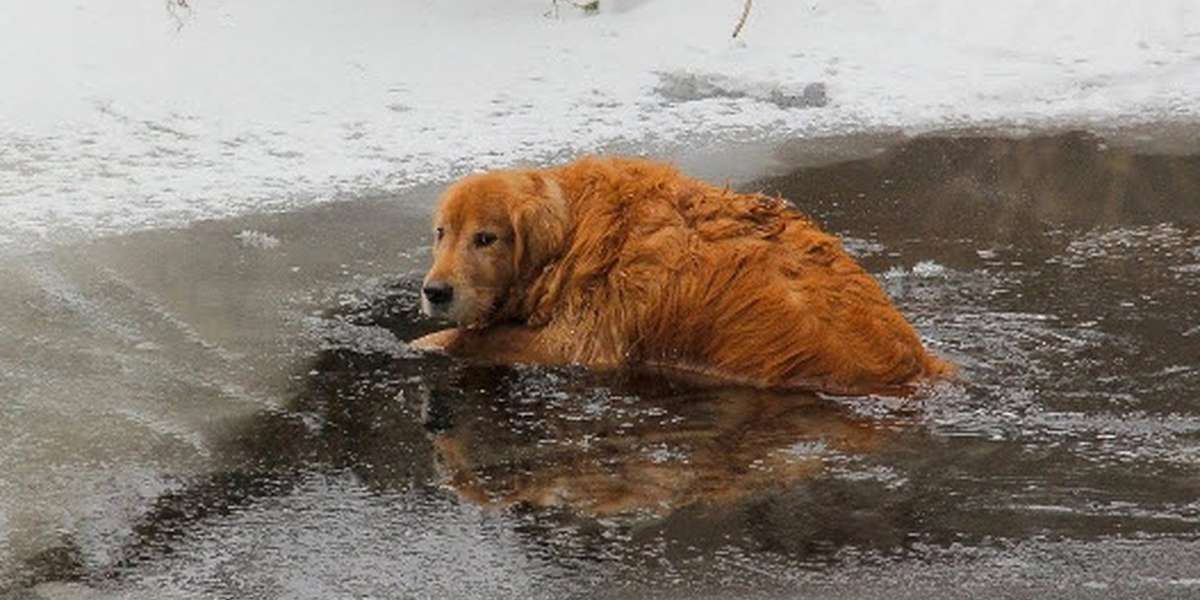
(927, 269)
(257, 239)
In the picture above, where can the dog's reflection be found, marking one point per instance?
(600, 453)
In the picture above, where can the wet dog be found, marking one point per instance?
(611, 262)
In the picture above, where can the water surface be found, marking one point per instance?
(229, 410)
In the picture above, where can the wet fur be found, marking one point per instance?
(613, 261)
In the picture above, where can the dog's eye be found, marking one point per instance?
(439, 233)
(484, 239)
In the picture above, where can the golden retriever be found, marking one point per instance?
(609, 262)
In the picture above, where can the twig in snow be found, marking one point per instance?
(174, 7)
(587, 6)
(742, 21)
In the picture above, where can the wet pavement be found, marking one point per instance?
(228, 410)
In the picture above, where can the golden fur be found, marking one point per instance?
(608, 262)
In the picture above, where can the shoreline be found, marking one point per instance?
(732, 161)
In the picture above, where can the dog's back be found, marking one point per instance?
(673, 271)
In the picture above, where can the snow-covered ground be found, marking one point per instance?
(122, 114)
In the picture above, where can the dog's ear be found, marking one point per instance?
(540, 224)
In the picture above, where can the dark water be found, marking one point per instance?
(1062, 274)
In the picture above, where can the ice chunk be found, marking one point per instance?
(249, 238)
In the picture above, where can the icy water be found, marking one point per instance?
(228, 410)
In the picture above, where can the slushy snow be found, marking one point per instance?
(122, 114)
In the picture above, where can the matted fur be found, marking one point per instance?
(614, 261)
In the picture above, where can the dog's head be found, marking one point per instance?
(492, 234)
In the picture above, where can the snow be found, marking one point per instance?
(119, 114)
(250, 238)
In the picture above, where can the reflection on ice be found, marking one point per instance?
(648, 453)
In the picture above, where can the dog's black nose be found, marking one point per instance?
(439, 293)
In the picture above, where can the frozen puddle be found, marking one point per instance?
(128, 360)
(230, 410)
